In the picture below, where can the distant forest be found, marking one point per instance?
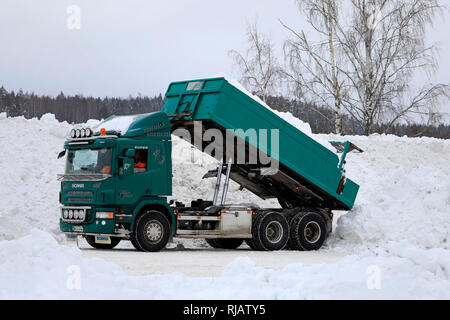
(78, 109)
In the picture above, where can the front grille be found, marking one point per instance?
(80, 193)
(79, 199)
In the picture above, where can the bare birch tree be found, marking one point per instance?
(313, 65)
(385, 48)
(259, 66)
(367, 66)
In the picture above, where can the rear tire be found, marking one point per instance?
(251, 244)
(225, 243)
(308, 231)
(91, 240)
(271, 231)
(151, 232)
(293, 244)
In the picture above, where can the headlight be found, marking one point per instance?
(66, 214)
(83, 132)
(73, 133)
(81, 214)
(88, 132)
(104, 215)
(78, 133)
(75, 214)
(70, 214)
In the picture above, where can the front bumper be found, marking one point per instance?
(98, 226)
(92, 225)
(118, 235)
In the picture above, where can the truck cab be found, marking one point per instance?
(114, 172)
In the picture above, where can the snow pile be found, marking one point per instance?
(47, 270)
(404, 193)
(188, 183)
(28, 168)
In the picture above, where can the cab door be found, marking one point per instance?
(134, 180)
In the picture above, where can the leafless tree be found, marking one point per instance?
(378, 52)
(385, 48)
(313, 65)
(259, 66)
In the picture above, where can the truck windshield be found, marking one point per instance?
(87, 161)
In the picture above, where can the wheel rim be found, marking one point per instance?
(153, 231)
(312, 232)
(274, 232)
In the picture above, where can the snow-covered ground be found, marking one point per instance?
(393, 244)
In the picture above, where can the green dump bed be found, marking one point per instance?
(307, 174)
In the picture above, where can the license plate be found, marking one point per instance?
(77, 228)
(103, 239)
(71, 237)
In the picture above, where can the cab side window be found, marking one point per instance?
(140, 160)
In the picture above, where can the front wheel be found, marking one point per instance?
(91, 241)
(151, 232)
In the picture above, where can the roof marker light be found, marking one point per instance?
(102, 131)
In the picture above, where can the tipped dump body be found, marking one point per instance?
(305, 166)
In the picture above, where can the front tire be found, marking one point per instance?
(151, 232)
(135, 244)
(91, 241)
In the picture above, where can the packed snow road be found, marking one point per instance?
(202, 262)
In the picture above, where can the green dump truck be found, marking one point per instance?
(118, 175)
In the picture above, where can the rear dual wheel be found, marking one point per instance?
(308, 231)
(270, 232)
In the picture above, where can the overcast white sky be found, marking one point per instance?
(131, 47)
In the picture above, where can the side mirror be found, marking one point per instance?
(130, 153)
(61, 154)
